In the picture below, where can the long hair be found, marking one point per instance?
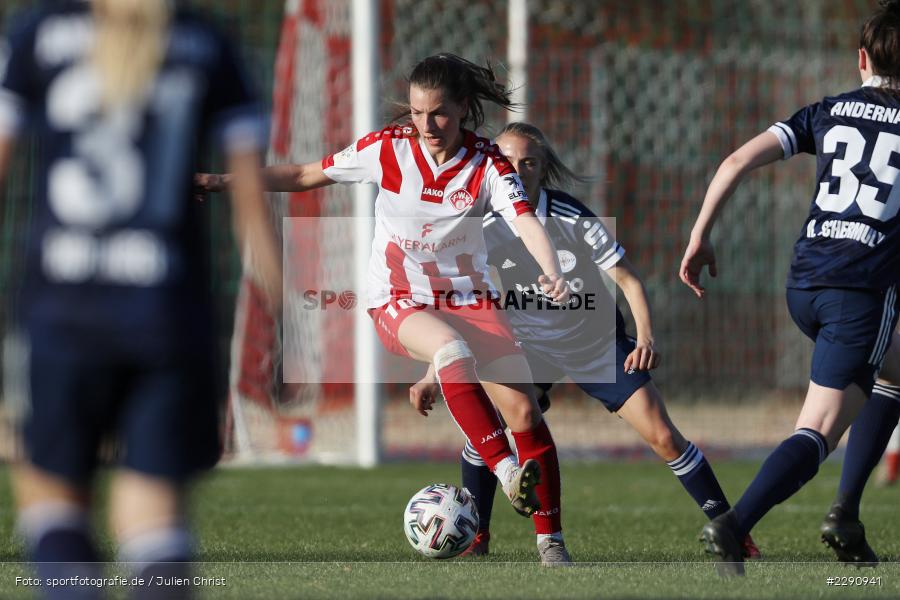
(463, 82)
(880, 37)
(556, 174)
(130, 46)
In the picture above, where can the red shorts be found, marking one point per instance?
(482, 325)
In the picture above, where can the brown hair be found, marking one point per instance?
(880, 37)
(464, 82)
(556, 174)
(130, 46)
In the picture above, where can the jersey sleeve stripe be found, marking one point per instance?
(474, 185)
(391, 177)
(609, 260)
(786, 137)
(522, 207)
(564, 208)
(12, 113)
(501, 163)
(563, 216)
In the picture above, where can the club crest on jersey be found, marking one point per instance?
(461, 199)
(567, 260)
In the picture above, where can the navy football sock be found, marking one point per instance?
(869, 436)
(478, 479)
(59, 541)
(794, 462)
(697, 477)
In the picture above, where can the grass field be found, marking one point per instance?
(336, 533)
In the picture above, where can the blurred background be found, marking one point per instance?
(646, 97)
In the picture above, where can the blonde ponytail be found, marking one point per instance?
(130, 46)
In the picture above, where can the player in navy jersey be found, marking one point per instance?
(116, 308)
(590, 346)
(841, 290)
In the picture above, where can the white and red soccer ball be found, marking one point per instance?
(440, 520)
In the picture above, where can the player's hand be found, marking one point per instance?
(643, 358)
(554, 287)
(699, 253)
(423, 395)
(205, 183)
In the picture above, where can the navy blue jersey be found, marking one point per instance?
(851, 238)
(116, 244)
(584, 246)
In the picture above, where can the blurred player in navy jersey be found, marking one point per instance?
(600, 357)
(436, 180)
(842, 291)
(116, 307)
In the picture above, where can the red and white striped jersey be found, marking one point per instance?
(428, 218)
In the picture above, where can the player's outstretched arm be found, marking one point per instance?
(253, 225)
(277, 178)
(761, 150)
(644, 356)
(541, 247)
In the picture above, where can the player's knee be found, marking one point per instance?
(525, 414)
(664, 443)
(451, 350)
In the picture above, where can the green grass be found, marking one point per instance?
(336, 533)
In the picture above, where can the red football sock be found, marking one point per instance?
(539, 445)
(472, 410)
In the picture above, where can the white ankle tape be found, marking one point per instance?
(449, 354)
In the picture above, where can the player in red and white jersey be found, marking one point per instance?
(425, 246)
(436, 180)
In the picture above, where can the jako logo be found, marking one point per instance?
(321, 299)
(432, 192)
(426, 229)
(491, 436)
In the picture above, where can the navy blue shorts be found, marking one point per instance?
(162, 412)
(851, 329)
(605, 364)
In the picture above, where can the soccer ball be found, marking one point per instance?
(440, 520)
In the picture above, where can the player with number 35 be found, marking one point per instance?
(841, 290)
